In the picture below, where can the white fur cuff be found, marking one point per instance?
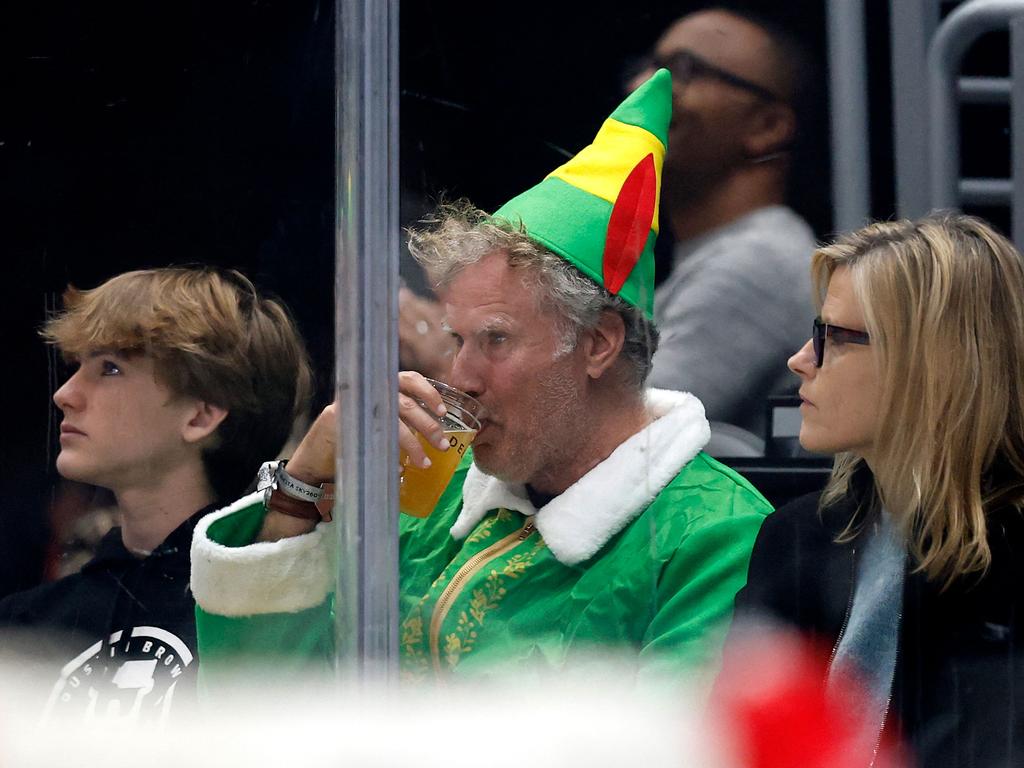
(284, 576)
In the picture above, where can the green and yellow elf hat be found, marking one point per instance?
(599, 211)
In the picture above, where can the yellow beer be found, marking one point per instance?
(421, 488)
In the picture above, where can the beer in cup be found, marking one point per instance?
(421, 488)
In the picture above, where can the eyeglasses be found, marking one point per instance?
(838, 334)
(686, 66)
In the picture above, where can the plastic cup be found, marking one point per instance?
(422, 488)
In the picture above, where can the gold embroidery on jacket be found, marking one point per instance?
(414, 658)
(483, 531)
(484, 600)
(414, 662)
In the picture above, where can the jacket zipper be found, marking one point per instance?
(458, 581)
(839, 638)
(892, 682)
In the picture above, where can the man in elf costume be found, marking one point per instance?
(586, 519)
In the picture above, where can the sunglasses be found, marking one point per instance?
(686, 66)
(838, 334)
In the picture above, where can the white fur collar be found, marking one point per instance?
(577, 523)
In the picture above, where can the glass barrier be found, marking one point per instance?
(235, 531)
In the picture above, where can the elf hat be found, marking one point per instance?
(599, 211)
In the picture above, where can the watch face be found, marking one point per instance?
(265, 477)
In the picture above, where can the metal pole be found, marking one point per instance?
(911, 24)
(366, 311)
(1017, 125)
(955, 35)
(851, 183)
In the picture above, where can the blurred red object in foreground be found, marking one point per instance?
(773, 700)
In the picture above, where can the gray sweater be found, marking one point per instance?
(735, 307)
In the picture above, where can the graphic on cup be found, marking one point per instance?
(421, 488)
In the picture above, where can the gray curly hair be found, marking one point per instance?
(459, 234)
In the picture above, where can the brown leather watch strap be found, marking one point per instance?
(278, 501)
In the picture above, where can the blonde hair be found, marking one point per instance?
(211, 336)
(943, 302)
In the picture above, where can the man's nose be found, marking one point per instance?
(69, 395)
(804, 362)
(466, 374)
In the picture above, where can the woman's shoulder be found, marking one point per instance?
(805, 517)
(799, 574)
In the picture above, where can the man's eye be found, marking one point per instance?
(458, 339)
(494, 338)
(110, 368)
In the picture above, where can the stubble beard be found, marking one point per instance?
(546, 445)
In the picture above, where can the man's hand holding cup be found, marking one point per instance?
(433, 419)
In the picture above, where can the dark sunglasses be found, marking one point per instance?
(686, 66)
(838, 334)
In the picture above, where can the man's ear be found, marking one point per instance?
(771, 129)
(604, 343)
(203, 421)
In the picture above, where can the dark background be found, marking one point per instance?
(144, 134)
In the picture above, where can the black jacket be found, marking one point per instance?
(958, 691)
(122, 630)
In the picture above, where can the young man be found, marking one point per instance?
(185, 379)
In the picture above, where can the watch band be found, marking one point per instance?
(294, 487)
(291, 496)
(276, 501)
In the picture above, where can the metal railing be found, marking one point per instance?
(946, 91)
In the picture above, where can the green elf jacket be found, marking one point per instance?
(643, 555)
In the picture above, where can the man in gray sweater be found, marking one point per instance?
(737, 302)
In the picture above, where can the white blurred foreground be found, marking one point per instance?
(304, 724)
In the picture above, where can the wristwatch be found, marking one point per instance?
(291, 496)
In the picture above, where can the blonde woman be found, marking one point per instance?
(909, 566)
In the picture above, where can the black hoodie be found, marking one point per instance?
(121, 632)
